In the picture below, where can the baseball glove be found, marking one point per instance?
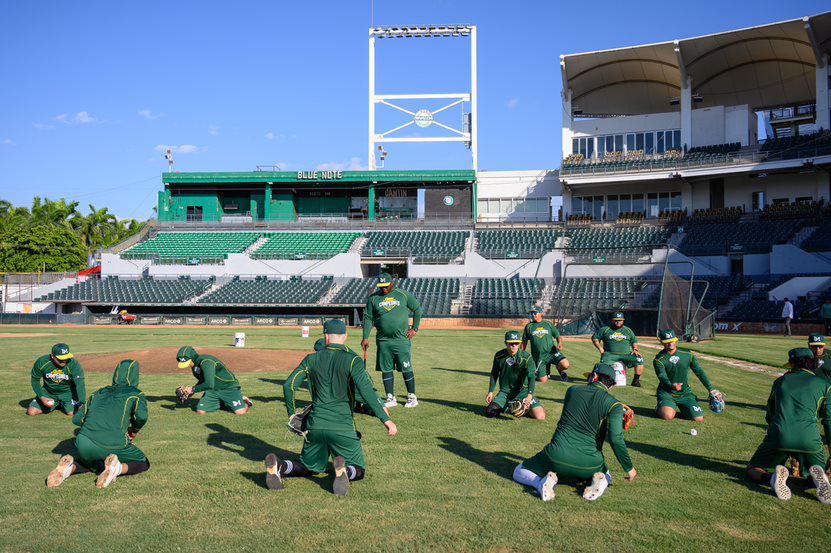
(183, 394)
(297, 422)
(628, 417)
(716, 402)
(517, 408)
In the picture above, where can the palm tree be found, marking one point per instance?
(96, 227)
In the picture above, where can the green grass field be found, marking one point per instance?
(443, 483)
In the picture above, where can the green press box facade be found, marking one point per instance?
(287, 195)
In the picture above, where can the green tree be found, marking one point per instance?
(41, 246)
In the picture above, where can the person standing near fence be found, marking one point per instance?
(787, 316)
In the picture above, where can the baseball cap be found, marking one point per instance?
(185, 355)
(667, 336)
(816, 340)
(320, 344)
(384, 280)
(512, 337)
(534, 309)
(798, 353)
(334, 326)
(618, 316)
(604, 369)
(61, 351)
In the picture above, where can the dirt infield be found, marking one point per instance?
(163, 360)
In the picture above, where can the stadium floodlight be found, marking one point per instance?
(424, 118)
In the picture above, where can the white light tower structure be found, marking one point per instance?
(424, 118)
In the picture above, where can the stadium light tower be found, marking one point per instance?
(424, 118)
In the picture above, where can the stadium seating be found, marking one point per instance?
(498, 297)
(436, 246)
(637, 161)
(516, 243)
(355, 291)
(192, 247)
(305, 245)
(716, 215)
(820, 239)
(261, 290)
(434, 294)
(721, 288)
(751, 237)
(802, 210)
(616, 240)
(131, 291)
(793, 147)
(579, 295)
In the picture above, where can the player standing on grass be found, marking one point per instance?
(799, 403)
(334, 374)
(109, 421)
(58, 382)
(590, 415)
(546, 346)
(617, 343)
(673, 366)
(220, 385)
(388, 310)
(513, 369)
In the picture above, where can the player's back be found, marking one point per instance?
(331, 387)
(107, 415)
(798, 398)
(223, 377)
(581, 425)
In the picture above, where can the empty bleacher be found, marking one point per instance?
(820, 239)
(613, 162)
(794, 147)
(434, 294)
(261, 290)
(500, 297)
(429, 246)
(516, 243)
(750, 237)
(616, 241)
(305, 245)
(131, 291)
(192, 247)
(355, 292)
(720, 290)
(580, 295)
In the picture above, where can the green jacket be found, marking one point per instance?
(111, 411)
(616, 340)
(212, 374)
(542, 336)
(799, 403)
(334, 374)
(590, 415)
(514, 374)
(675, 369)
(824, 367)
(49, 379)
(390, 315)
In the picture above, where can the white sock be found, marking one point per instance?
(526, 477)
(289, 466)
(351, 472)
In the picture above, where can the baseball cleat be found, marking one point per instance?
(564, 376)
(636, 382)
(547, 486)
(412, 400)
(112, 468)
(273, 479)
(61, 472)
(247, 401)
(391, 401)
(341, 484)
(821, 482)
(596, 488)
(779, 483)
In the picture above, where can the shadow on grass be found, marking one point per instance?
(174, 402)
(66, 446)
(500, 463)
(756, 424)
(462, 406)
(475, 373)
(277, 381)
(746, 405)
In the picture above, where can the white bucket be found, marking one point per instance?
(304, 332)
(620, 373)
(239, 339)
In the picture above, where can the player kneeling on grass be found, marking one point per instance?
(590, 415)
(617, 343)
(109, 421)
(220, 386)
(673, 366)
(513, 369)
(58, 382)
(546, 346)
(360, 405)
(799, 402)
(335, 374)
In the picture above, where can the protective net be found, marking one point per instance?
(681, 311)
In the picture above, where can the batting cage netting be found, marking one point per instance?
(681, 311)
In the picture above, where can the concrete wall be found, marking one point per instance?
(542, 184)
(788, 259)
(631, 123)
(738, 189)
(798, 286)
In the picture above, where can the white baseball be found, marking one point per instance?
(693, 432)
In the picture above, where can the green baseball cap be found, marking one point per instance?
(512, 337)
(384, 280)
(61, 351)
(604, 369)
(800, 353)
(533, 310)
(320, 344)
(618, 316)
(816, 340)
(185, 355)
(334, 326)
(667, 336)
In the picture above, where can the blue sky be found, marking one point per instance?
(92, 91)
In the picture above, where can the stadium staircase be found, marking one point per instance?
(358, 244)
(214, 287)
(461, 305)
(547, 298)
(802, 235)
(326, 299)
(256, 245)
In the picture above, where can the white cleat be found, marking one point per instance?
(247, 401)
(61, 472)
(779, 483)
(547, 485)
(597, 487)
(391, 401)
(112, 468)
(412, 401)
(821, 482)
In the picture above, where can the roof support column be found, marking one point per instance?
(686, 113)
(823, 114)
(568, 120)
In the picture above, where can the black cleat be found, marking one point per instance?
(636, 382)
(341, 484)
(273, 479)
(564, 376)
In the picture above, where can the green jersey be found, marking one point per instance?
(513, 374)
(824, 367)
(675, 369)
(111, 411)
(334, 373)
(825, 311)
(618, 340)
(49, 379)
(212, 374)
(542, 336)
(590, 415)
(390, 315)
(799, 402)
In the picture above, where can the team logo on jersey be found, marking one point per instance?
(510, 361)
(389, 303)
(196, 370)
(617, 336)
(56, 375)
(405, 364)
(674, 359)
(539, 332)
